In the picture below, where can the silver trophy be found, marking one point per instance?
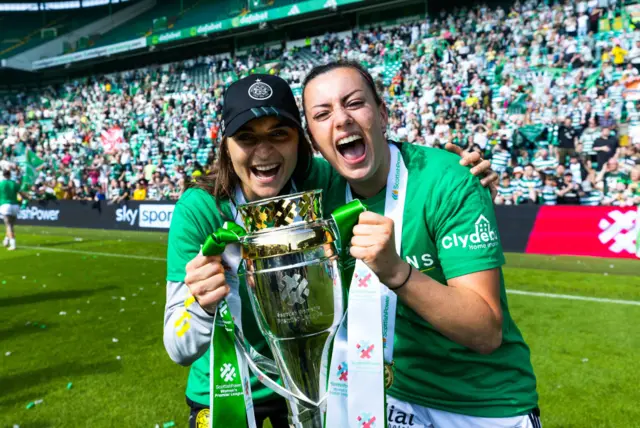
(290, 256)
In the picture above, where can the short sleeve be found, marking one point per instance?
(466, 228)
(185, 238)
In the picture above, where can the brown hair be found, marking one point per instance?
(322, 69)
(221, 182)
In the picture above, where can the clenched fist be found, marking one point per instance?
(374, 243)
(206, 281)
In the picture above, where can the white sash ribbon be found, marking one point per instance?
(356, 378)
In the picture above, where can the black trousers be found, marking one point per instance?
(274, 409)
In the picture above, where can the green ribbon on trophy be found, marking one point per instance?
(228, 393)
(226, 379)
(215, 243)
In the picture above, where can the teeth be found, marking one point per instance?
(266, 167)
(349, 139)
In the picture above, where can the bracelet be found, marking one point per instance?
(405, 281)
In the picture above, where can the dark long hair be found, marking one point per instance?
(221, 182)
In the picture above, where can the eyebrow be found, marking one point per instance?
(342, 99)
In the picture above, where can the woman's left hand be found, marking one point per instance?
(374, 243)
(481, 168)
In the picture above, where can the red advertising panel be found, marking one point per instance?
(586, 231)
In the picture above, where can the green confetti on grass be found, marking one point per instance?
(69, 385)
(4, 282)
(168, 424)
(43, 326)
(31, 405)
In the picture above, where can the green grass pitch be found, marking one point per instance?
(81, 329)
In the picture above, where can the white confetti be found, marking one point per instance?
(6, 354)
(78, 239)
(606, 274)
(123, 298)
(88, 301)
(611, 266)
(38, 254)
(584, 360)
(78, 311)
(118, 357)
(122, 310)
(141, 288)
(153, 303)
(39, 401)
(99, 318)
(44, 285)
(18, 426)
(24, 277)
(134, 295)
(62, 313)
(114, 340)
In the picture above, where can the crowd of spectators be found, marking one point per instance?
(547, 92)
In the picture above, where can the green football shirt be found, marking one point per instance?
(450, 230)
(9, 192)
(197, 215)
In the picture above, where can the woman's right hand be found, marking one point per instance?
(206, 281)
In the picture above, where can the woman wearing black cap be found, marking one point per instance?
(263, 153)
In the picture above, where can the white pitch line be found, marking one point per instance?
(571, 297)
(520, 292)
(92, 253)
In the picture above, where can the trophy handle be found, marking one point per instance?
(264, 364)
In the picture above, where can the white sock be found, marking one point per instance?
(12, 242)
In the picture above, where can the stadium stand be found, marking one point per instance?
(20, 31)
(552, 105)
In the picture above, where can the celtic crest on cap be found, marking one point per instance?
(260, 91)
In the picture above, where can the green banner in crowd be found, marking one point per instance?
(248, 19)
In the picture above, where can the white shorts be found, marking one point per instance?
(404, 415)
(9, 210)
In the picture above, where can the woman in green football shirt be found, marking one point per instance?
(9, 191)
(263, 153)
(459, 358)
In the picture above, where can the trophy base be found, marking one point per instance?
(305, 417)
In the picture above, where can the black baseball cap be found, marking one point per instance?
(255, 96)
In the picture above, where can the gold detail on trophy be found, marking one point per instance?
(388, 375)
(282, 211)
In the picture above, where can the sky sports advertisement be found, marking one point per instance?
(554, 230)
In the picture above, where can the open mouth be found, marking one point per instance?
(352, 148)
(266, 173)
